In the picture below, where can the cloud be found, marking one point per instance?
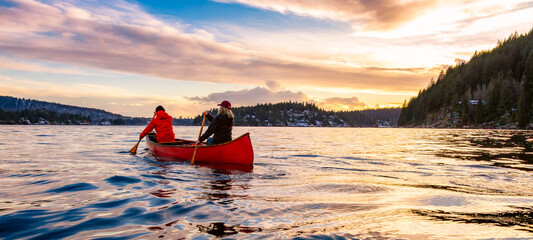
(384, 15)
(120, 36)
(111, 99)
(411, 70)
(249, 97)
(12, 64)
(337, 103)
(21, 86)
(274, 86)
(120, 101)
(369, 14)
(459, 61)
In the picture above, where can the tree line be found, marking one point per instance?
(495, 87)
(38, 115)
(288, 113)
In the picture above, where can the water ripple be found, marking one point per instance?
(110, 204)
(366, 184)
(41, 182)
(522, 218)
(73, 188)
(122, 181)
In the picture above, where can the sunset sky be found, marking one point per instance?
(128, 57)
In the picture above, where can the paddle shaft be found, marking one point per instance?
(199, 135)
(133, 150)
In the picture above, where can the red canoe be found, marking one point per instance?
(238, 151)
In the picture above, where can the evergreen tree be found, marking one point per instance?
(526, 100)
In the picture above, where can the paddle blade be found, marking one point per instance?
(133, 150)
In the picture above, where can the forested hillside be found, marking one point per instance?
(11, 104)
(41, 116)
(28, 111)
(295, 114)
(493, 89)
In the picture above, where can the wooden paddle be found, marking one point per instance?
(199, 135)
(133, 150)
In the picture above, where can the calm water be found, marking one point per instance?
(79, 182)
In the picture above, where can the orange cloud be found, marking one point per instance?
(345, 104)
(249, 97)
(369, 14)
(126, 39)
(6, 63)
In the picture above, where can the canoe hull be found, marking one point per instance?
(238, 151)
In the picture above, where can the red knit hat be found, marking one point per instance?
(225, 104)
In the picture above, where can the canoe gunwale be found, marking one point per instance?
(169, 144)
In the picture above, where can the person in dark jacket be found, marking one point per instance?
(220, 126)
(162, 122)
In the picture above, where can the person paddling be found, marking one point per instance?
(220, 126)
(162, 122)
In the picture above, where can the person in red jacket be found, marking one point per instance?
(162, 122)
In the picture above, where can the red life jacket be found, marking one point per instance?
(163, 127)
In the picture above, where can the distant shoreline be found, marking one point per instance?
(403, 127)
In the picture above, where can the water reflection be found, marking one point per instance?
(214, 184)
(516, 140)
(221, 187)
(218, 186)
(224, 168)
(164, 193)
(218, 190)
(507, 149)
(228, 169)
(522, 217)
(220, 229)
